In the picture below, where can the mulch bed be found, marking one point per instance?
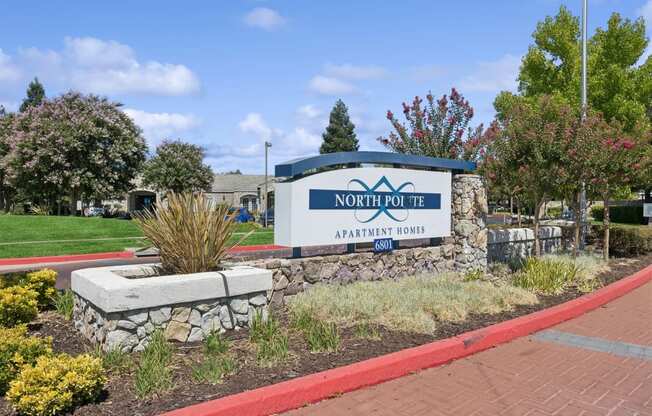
(120, 400)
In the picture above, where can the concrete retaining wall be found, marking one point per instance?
(516, 244)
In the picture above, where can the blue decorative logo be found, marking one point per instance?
(396, 203)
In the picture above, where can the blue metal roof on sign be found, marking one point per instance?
(299, 166)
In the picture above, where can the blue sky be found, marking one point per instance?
(229, 75)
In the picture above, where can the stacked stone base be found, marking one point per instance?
(131, 331)
(292, 276)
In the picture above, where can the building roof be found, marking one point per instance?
(240, 183)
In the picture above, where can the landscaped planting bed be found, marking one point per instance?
(310, 334)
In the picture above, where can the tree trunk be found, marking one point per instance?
(518, 212)
(577, 224)
(537, 211)
(73, 202)
(605, 223)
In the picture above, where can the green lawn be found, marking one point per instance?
(30, 235)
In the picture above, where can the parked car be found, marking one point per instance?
(270, 217)
(94, 212)
(241, 214)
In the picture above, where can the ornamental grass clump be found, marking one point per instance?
(552, 275)
(191, 232)
(412, 304)
(56, 385)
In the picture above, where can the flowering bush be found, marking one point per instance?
(435, 130)
(17, 350)
(42, 282)
(56, 384)
(18, 305)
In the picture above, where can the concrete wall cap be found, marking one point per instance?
(107, 289)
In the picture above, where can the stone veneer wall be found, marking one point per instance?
(469, 219)
(516, 244)
(188, 322)
(292, 276)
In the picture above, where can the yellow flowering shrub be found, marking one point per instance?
(56, 384)
(42, 282)
(16, 350)
(18, 305)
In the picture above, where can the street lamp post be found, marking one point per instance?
(583, 214)
(267, 146)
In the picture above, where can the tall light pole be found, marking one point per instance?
(583, 213)
(267, 146)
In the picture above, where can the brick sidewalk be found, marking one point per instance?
(530, 376)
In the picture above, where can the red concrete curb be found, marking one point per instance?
(72, 257)
(295, 393)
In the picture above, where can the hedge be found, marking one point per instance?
(620, 214)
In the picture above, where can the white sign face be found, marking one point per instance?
(647, 210)
(361, 205)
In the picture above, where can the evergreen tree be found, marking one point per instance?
(35, 95)
(339, 135)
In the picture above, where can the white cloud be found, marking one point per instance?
(264, 18)
(254, 124)
(646, 12)
(309, 112)
(8, 70)
(348, 71)
(159, 126)
(107, 67)
(493, 76)
(330, 86)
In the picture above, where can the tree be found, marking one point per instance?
(528, 154)
(435, 130)
(6, 190)
(608, 159)
(339, 135)
(618, 88)
(35, 95)
(178, 167)
(79, 146)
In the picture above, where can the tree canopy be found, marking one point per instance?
(340, 132)
(435, 129)
(178, 167)
(35, 95)
(82, 146)
(620, 86)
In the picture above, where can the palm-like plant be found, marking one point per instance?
(191, 232)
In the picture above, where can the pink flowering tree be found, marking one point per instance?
(528, 152)
(435, 128)
(75, 146)
(608, 159)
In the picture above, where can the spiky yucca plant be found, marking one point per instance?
(191, 232)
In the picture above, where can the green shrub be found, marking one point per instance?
(271, 343)
(56, 385)
(64, 303)
(18, 305)
(42, 282)
(624, 241)
(554, 212)
(16, 350)
(620, 214)
(153, 373)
